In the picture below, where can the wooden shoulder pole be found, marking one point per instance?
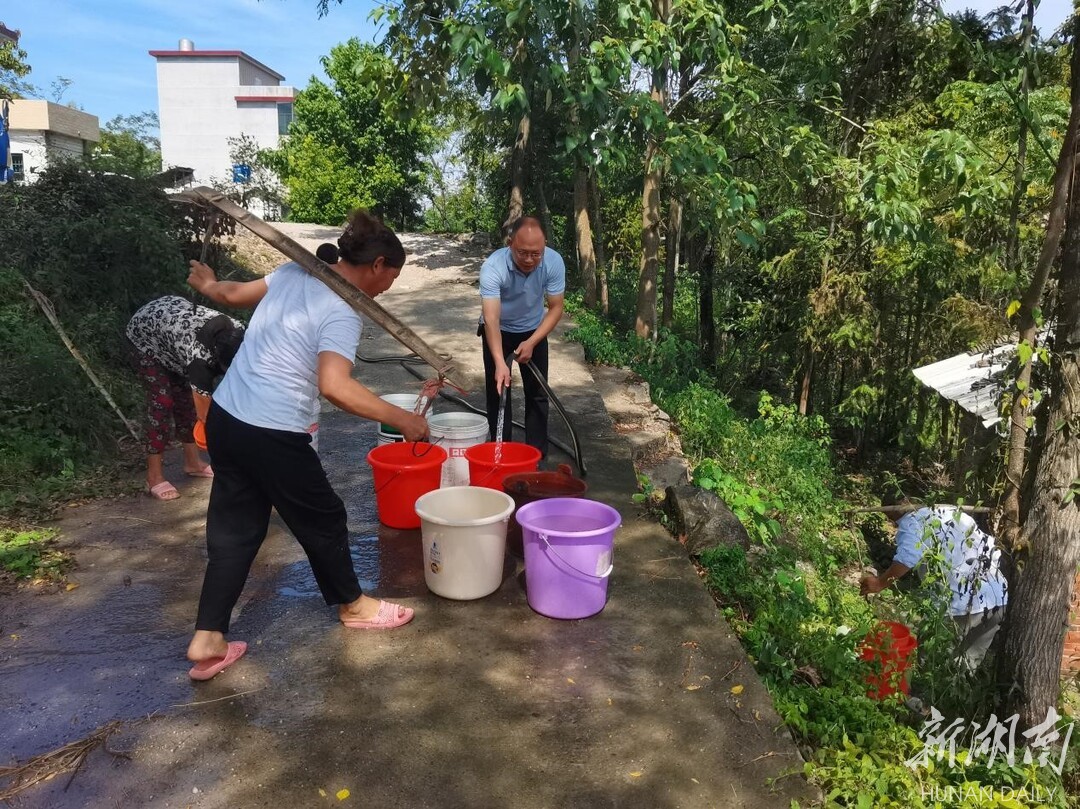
(358, 300)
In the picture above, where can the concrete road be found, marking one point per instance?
(475, 704)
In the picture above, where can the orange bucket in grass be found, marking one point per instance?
(888, 650)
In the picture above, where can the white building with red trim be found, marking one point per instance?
(206, 98)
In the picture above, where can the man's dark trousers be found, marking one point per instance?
(536, 400)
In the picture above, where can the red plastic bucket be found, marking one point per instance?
(528, 487)
(483, 471)
(403, 473)
(888, 650)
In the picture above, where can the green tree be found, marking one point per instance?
(263, 183)
(130, 146)
(345, 149)
(13, 68)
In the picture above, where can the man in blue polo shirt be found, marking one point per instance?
(514, 283)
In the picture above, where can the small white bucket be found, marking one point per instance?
(406, 401)
(464, 537)
(456, 432)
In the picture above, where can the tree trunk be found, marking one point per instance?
(545, 211)
(671, 260)
(1012, 242)
(517, 173)
(1039, 607)
(601, 257)
(945, 415)
(1009, 526)
(706, 320)
(920, 421)
(807, 377)
(645, 323)
(583, 233)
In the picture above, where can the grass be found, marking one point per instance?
(27, 555)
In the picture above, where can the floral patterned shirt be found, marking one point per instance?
(180, 336)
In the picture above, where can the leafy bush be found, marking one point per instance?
(98, 246)
(801, 623)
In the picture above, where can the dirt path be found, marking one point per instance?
(476, 704)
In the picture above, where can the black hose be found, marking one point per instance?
(573, 452)
(408, 360)
(562, 412)
(402, 358)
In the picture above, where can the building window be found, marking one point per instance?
(284, 118)
(17, 167)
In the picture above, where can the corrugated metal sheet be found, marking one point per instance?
(973, 381)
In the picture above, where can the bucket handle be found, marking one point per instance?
(558, 556)
(415, 455)
(431, 445)
(388, 482)
(494, 468)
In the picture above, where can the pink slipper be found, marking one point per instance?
(206, 669)
(205, 472)
(163, 491)
(389, 616)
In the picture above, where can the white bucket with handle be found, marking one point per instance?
(456, 432)
(406, 401)
(464, 538)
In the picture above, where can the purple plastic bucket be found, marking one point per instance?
(568, 547)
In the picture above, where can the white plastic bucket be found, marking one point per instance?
(456, 432)
(464, 537)
(406, 401)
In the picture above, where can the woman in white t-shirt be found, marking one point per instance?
(301, 342)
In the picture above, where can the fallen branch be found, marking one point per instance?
(50, 313)
(219, 699)
(49, 765)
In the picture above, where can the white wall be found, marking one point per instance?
(37, 148)
(32, 146)
(199, 112)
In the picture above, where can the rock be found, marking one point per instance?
(671, 471)
(639, 394)
(704, 519)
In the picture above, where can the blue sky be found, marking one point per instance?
(101, 45)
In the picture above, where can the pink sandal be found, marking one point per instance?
(206, 669)
(389, 616)
(163, 491)
(206, 472)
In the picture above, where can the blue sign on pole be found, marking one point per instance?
(241, 174)
(6, 174)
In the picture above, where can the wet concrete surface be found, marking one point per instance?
(475, 704)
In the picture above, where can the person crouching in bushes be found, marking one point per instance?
(179, 350)
(958, 560)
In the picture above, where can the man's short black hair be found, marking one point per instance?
(521, 221)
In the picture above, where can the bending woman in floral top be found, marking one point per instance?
(179, 351)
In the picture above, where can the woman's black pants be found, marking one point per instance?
(256, 469)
